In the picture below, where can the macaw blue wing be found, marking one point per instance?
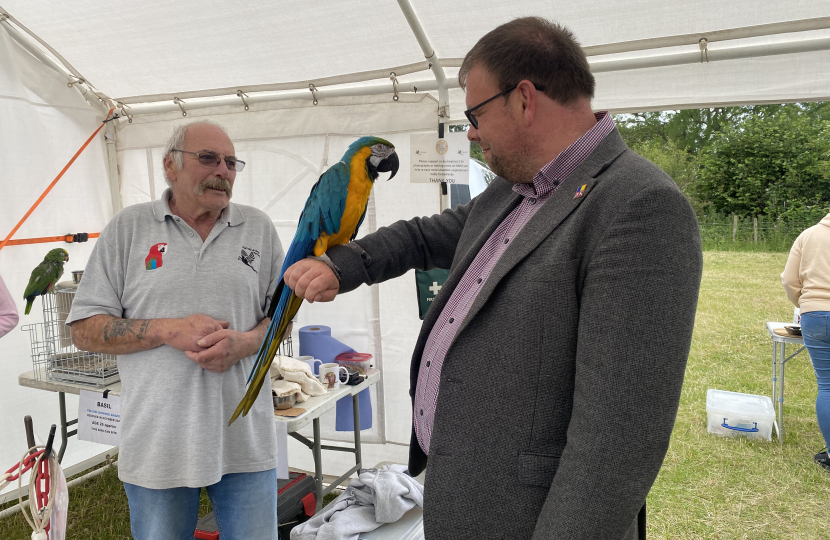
(322, 212)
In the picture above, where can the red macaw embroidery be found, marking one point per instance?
(154, 258)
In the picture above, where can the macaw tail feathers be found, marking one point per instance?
(29, 302)
(267, 352)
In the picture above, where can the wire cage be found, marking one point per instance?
(53, 354)
(286, 348)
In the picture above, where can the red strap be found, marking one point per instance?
(55, 181)
(44, 239)
(310, 504)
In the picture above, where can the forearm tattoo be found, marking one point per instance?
(117, 328)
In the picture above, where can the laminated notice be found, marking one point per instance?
(99, 418)
(434, 160)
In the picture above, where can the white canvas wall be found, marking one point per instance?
(42, 125)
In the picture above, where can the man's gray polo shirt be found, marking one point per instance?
(148, 263)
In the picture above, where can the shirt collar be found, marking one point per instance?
(559, 168)
(231, 214)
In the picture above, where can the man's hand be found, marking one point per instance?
(185, 334)
(312, 281)
(220, 350)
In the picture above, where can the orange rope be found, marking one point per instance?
(55, 181)
(44, 239)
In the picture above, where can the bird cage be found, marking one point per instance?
(286, 348)
(54, 357)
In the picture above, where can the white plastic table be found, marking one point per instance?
(779, 361)
(314, 408)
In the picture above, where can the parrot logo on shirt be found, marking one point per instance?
(154, 258)
(248, 257)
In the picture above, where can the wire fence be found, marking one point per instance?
(724, 233)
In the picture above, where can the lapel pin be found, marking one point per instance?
(581, 191)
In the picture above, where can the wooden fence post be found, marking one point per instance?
(755, 228)
(734, 226)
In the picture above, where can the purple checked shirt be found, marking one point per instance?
(544, 185)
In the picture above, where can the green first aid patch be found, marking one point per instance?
(428, 283)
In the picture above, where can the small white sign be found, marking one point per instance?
(435, 160)
(99, 418)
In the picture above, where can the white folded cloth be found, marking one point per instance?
(375, 497)
(298, 371)
(289, 375)
(284, 388)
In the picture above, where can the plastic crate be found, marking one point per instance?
(732, 414)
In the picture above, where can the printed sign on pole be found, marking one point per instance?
(435, 160)
(99, 418)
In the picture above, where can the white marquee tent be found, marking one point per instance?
(294, 82)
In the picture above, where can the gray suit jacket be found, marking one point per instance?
(583, 328)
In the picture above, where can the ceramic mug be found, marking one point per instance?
(313, 363)
(330, 375)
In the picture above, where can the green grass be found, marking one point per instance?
(97, 509)
(709, 487)
(726, 488)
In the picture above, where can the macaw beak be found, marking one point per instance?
(391, 163)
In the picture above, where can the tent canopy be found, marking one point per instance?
(646, 54)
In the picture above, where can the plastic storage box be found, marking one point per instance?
(732, 414)
(354, 360)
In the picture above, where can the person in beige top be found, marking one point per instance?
(806, 279)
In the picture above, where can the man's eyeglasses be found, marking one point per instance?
(469, 112)
(212, 159)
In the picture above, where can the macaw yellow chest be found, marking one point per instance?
(360, 187)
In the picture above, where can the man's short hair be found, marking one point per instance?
(535, 49)
(176, 141)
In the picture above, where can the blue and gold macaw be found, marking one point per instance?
(332, 215)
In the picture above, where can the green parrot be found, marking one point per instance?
(45, 275)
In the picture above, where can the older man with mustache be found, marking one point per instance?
(167, 290)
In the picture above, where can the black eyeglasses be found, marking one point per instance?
(469, 112)
(212, 159)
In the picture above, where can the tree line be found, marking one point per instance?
(769, 161)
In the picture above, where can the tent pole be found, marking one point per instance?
(759, 30)
(717, 53)
(432, 58)
(264, 97)
(440, 78)
(112, 169)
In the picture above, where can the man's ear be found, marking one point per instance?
(170, 169)
(527, 100)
